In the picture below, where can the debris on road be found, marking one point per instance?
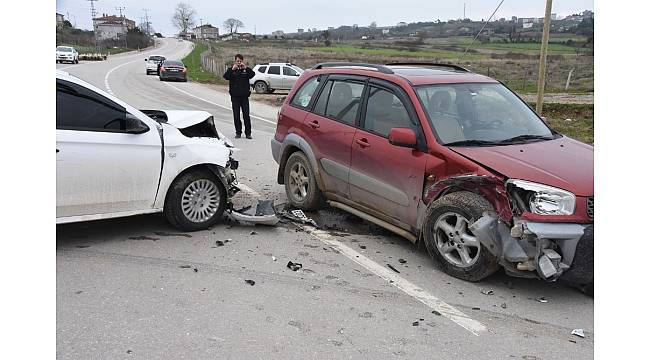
(219, 243)
(503, 305)
(274, 258)
(250, 282)
(302, 217)
(129, 352)
(253, 233)
(196, 270)
(542, 300)
(476, 308)
(185, 266)
(362, 246)
(264, 214)
(578, 332)
(143, 237)
(487, 292)
(82, 246)
(402, 261)
(416, 323)
(434, 312)
(294, 266)
(392, 268)
(162, 233)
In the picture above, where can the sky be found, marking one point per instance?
(264, 17)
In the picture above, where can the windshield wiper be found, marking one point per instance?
(472, 143)
(526, 137)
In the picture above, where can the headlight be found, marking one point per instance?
(543, 199)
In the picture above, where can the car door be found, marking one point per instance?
(289, 77)
(100, 168)
(274, 77)
(384, 177)
(330, 128)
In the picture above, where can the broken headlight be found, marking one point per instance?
(542, 199)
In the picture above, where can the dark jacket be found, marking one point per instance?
(238, 81)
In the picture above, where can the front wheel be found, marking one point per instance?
(261, 87)
(449, 240)
(195, 201)
(300, 183)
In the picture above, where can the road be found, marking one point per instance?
(137, 288)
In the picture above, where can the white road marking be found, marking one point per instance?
(221, 106)
(108, 88)
(406, 286)
(399, 282)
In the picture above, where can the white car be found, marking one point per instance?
(113, 160)
(67, 53)
(153, 63)
(274, 76)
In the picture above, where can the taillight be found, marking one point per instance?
(162, 69)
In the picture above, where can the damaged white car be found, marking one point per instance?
(114, 160)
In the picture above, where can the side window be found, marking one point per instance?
(78, 108)
(289, 71)
(344, 101)
(384, 112)
(321, 103)
(262, 69)
(274, 70)
(306, 92)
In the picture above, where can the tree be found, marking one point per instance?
(184, 17)
(373, 25)
(233, 24)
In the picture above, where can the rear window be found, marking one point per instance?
(262, 69)
(157, 58)
(173, 63)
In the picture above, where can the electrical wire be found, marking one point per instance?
(480, 31)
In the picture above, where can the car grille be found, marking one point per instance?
(590, 206)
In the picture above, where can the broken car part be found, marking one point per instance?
(264, 214)
(294, 266)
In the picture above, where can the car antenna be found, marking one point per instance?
(480, 31)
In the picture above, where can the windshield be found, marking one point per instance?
(480, 114)
(63, 49)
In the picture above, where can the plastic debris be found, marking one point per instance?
(476, 308)
(274, 258)
(392, 268)
(196, 270)
(542, 300)
(264, 214)
(301, 215)
(294, 266)
(184, 266)
(362, 246)
(487, 292)
(503, 305)
(416, 323)
(253, 233)
(402, 261)
(250, 282)
(129, 352)
(578, 332)
(143, 237)
(434, 312)
(219, 243)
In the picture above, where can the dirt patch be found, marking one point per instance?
(275, 99)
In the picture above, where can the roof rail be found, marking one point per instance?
(380, 68)
(455, 67)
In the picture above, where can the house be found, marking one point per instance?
(277, 33)
(59, 20)
(401, 24)
(112, 27)
(206, 32)
(300, 31)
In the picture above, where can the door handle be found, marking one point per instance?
(363, 143)
(314, 124)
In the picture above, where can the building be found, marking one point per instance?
(514, 19)
(59, 20)
(300, 31)
(278, 33)
(587, 14)
(206, 32)
(401, 24)
(553, 16)
(112, 27)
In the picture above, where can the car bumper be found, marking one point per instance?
(581, 271)
(64, 58)
(176, 76)
(276, 150)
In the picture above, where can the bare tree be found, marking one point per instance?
(184, 17)
(373, 25)
(233, 24)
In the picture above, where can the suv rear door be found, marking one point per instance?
(385, 177)
(330, 128)
(274, 77)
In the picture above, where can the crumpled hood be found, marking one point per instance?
(563, 163)
(182, 119)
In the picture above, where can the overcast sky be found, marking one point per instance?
(265, 16)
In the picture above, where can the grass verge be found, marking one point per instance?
(194, 70)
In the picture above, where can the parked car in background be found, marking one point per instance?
(113, 160)
(274, 76)
(172, 70)
(443, 156)
(67, 54)
(152, 64)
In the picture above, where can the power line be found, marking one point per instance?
(480, 31)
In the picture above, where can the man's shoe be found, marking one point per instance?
(237, 136)
(248, 137)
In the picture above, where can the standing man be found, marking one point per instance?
(240, 90)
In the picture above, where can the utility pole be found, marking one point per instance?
(126, 28)
(542, 59)
(464, 17)
(201, 28)
(146, 20)
(93, 13)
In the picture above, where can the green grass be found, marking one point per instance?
(194, 70)
(581, 124)
(555, 48)
(442, 54)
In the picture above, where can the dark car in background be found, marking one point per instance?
(444, 157)
(173, 70)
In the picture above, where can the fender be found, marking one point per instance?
(292, 143)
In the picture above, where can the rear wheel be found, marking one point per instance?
(300, 183)
(195, 201)
(261, 87)
(450, 242)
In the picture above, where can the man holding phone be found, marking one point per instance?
(239, 89)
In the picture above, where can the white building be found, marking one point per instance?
(206, 32)
(112, 27)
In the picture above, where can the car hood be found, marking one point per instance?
(563, 163)
(182, 119)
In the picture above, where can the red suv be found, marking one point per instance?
(438, 154)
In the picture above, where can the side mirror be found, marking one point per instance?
(403, 137)
(133, 125)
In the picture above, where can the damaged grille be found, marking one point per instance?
(590, 207)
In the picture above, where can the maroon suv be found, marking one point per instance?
(438, 154)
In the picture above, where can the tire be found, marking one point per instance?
(261, 87)
(76, 61)
(185, 214)
(447, 237)
(300, 183)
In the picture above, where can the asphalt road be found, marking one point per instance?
(137, 288)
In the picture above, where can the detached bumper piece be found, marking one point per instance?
(264, 214)
(542, 250)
